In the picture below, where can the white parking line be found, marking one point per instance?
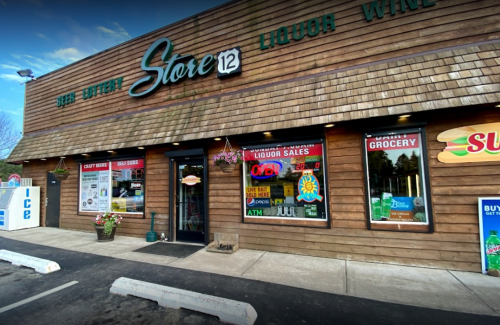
(46, 293)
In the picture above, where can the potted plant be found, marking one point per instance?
(61, 172)
(105, 225)
(228, 160)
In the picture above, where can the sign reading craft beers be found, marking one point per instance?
(473, 143)
(393, 142)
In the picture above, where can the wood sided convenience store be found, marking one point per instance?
(364, 127)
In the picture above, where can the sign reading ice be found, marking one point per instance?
(229, 62)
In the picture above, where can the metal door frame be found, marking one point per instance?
(186, 155)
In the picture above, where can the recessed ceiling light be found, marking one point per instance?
(26, 161)
(85, 154)
(43, 159)
(329, 125)
(217, 139)
(267, 133)
(175, 143)
(405, 116)
(141, 148)
(62, 157)
(497, 105)
(110, 151)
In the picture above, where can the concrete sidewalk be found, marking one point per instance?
(433, 288)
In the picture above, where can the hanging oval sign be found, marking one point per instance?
(191, 180)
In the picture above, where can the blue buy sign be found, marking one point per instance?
(489, 229)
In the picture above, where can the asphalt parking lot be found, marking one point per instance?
(90, 302)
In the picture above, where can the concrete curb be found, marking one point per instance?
(229, 311)
(39, 264)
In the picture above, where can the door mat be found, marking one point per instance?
(168, 249)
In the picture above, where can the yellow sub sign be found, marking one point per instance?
(473, 143)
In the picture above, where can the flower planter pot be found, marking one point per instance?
(61, 176)
(101, 236)
(227, 168)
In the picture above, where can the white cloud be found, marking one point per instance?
(40, 35)
(18, 112)
(12, 77)
(6, 66)
(67, 55)
(119, 33)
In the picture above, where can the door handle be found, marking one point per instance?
(46, 201)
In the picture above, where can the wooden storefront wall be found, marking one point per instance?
(427, 61)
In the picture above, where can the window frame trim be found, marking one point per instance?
(396, 130)
(283, 221)
(110, 160)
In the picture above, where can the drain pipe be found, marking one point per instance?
(152, 236)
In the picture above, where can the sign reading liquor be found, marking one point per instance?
(315, 149)
(472, 143)
(176, 69)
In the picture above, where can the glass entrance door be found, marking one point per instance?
(190, 201)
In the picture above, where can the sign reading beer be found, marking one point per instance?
(474, 143)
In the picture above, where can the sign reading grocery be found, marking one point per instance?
(393, 142)
(474, 143)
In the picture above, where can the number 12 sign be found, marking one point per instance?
(229, 62)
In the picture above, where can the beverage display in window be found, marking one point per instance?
(395, 178)
(116, 186)
(285, 182)
(127, 185)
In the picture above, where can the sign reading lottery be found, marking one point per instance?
(393, 142)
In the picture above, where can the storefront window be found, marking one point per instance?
(116, 186)
(396, 179)
(285, 182)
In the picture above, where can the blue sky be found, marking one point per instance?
(44, 35)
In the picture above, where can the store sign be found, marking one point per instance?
(266, 170)
(14, 180)
(255, 212)
(176, 69)
(308, 187)
(474, 143)
(191, 180)
(257, 191)
(282, 35)
(284, 152)
(104, 87)
(259, 203)
(379, 7)
(393, 142)
(489, 231)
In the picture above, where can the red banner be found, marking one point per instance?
(95, 167)
(393, 142)
(127, 164)
(313, 149)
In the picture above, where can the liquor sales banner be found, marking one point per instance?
(489, 229)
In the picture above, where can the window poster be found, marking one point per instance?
(285, 181)
(94, 185)
(395, 178)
